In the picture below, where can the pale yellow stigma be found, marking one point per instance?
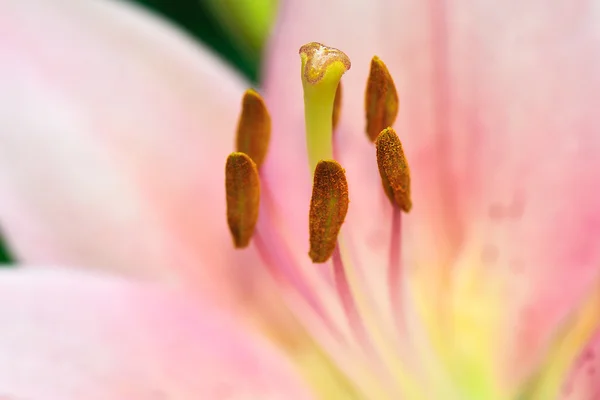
(318, 61)
(322, 69)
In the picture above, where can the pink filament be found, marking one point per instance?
(345, 294)
(395, 267)
(279, 260)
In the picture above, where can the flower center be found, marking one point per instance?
(321, 72)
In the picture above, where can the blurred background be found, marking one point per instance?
(235, 29)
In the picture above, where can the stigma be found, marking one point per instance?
(321, 71)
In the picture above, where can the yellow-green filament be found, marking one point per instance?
(322, 69)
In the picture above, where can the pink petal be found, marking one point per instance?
(499, 120)
(115, 130)
(67, 335)
(584, 381)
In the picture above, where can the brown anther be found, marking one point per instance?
(242, 186)
(381, 99)
(254, 127)
(393, 168)
(328, 208)
(317, 58)
(337, 106)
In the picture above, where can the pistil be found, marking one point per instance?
(337, 107)
(322, 69)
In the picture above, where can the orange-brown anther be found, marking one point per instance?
(337, 106)
(328, 208)
(393, 168)
(254, 127)
(317, 57)
(242, 186)
(381, 99)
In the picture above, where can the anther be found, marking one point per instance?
(242, 186)
(328, 208)
(381, 99)
(254, 127)
(393, 168)
(337, 106)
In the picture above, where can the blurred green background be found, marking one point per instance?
(235, 29)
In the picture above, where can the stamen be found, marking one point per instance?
(328, 208)
(337, 106)
(393, 168)
(242, 186)
(322, 69)
(254, 127)
(381, 99)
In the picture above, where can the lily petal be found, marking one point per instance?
(514, 113)
(68, 335)
(583, 383)
(498, 120)
(114, 130)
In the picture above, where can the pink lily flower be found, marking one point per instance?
(115, 131)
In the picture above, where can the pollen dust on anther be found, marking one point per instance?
(242, 186)
(254, 127)
(381, 99)
(328, 208)
(393, 168)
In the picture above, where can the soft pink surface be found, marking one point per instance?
(584, 381)
(114, 130)
(498, 116)
(67, 335)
